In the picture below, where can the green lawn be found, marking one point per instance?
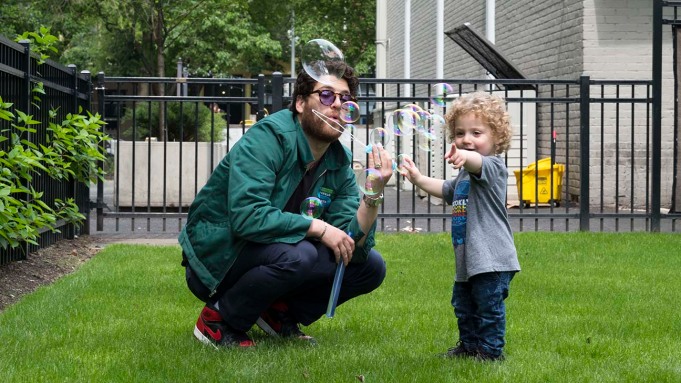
(587, 307)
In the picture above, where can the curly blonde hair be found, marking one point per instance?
(487, 107)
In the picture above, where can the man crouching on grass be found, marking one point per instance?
(249, 253)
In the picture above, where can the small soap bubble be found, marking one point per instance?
(413, 108)
(424, 121)
(402, 163)
(402, 122)
(323, 61)
(370, 182)
(429, 132)
(440, 92)
(426, 141)
(311, 207)
(349, 111)
(380, 137)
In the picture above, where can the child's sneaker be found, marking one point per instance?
(211, 329)
(485, 357)
(275, 321)
(459, 351)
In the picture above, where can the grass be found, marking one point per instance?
(587, 307)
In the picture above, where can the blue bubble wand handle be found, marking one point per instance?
(335, 288)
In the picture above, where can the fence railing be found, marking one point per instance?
(65, 91)
(580, 158)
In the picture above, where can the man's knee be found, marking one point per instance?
(375, 268)
(300, 258)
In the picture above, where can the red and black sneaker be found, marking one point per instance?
(211, 329)
(276, 321)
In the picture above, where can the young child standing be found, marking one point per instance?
(486, 258)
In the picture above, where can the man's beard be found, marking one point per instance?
(316, 128)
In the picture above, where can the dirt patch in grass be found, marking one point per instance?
(43, 267)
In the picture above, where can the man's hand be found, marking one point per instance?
(340, 242)
(381, 160)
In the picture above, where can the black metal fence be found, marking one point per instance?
(65, 91)
(581, 158)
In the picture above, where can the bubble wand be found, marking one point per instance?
(335, 288)
(341, 130)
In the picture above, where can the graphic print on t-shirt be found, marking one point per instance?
(459, 210)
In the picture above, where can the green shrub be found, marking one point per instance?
(185, 122)
(71, 154)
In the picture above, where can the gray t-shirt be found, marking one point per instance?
(481, 234)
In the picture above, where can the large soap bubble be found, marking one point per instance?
(323, 61)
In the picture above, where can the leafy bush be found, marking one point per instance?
(71, 153)
(185, 122)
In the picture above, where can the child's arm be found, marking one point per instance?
(470, 160)
(429, 185)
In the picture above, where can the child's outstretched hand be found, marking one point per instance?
(409, 170)
(456, 157)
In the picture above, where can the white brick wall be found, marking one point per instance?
(618, 45)
(551, 39)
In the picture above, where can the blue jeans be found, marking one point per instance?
(480, 311)
(300, 274)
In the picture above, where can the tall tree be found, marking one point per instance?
(223, 37)
(350, 25)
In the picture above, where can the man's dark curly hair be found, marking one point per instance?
(305, 84)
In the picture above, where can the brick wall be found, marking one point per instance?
(561, 39)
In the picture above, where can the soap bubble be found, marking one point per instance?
(370, 182)
(440, 92)
(401, 162)
(323, 61)
(380, 137)
(311, 207)
(349, 111)
(402, 122)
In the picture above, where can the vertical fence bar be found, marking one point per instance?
(584, 155)
(261, 98)
(657, 117)
(25, 102)
(277, 92)
(100, 184)
(72, 187)
(86, 188)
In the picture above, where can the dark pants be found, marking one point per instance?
(481, 312)
(299, 274)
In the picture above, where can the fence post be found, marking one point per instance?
(25, 97)
(70, 230)
(100, 185)
(584, 155)
(656, 165)
(85, 188)
(260, 114)
(277, 92)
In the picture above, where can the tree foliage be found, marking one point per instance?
(220, 37)
(186, 122)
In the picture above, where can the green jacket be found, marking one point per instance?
(244, 197)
